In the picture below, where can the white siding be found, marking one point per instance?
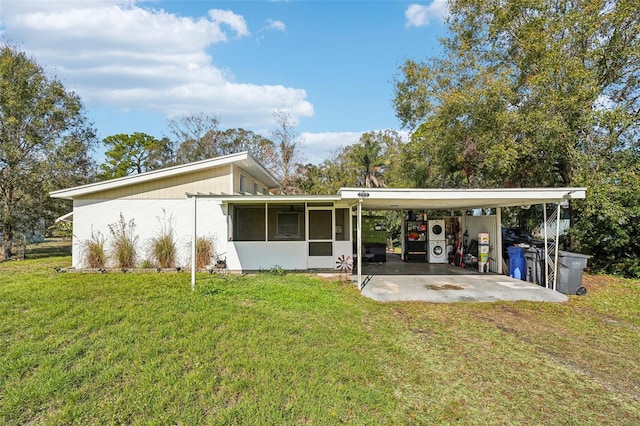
(477, 224)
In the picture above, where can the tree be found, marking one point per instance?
(136, 153)
(238, 140)
(531, 93)
(197, 137)
(329, 176)
(287, 156)
(45, 142)
(367, 157)
(373, 161)
(527, 91)
(375, 158)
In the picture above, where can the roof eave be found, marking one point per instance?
(245, 158)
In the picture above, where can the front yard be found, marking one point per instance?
(141, 348)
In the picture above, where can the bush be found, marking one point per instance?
(163, 245)
(148, 264)
(93, 250)
(124, 242)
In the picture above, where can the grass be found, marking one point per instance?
(141, 348)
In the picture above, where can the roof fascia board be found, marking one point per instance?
(515, 195)
(256, 168)
(241, 157)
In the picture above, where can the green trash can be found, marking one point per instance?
(570, 267)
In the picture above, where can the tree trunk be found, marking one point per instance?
(7, 227)
(7, 241)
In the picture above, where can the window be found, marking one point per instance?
(320, 224)
(255, 188)
(243, 183)
(248, 222)
(342, 224)
(286, 222)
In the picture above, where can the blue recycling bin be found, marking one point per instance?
(517, 263)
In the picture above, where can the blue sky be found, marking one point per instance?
(136, 63)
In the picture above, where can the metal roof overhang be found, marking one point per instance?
(412, 198)
(456, 199)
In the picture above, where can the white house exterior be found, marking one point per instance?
(227, 200)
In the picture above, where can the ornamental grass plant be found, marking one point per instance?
(124, 242)
(163, 245)
(94, 252)
(205, 251)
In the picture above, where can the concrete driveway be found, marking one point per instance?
(440, 283)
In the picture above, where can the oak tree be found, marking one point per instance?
(45, 143)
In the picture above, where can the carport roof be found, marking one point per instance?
(456, 199)
(417, 198)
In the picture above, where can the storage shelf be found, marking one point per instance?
(415, 249)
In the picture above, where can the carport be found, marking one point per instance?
(462, 200)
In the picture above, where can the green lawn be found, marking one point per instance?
(141, 348)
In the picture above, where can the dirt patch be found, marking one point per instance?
(442, 287)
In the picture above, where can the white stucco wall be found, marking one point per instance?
(148, 216)
(261, 255)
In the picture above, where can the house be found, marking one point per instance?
(253, 229)
(227, 200)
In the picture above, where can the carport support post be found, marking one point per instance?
(555, 262)
(359, 242)
(546, 247)
(193, 244)
(499, 239)
(361, 196)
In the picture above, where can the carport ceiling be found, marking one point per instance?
(457, 199)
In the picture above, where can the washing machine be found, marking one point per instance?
(436, 230)
(437, 251)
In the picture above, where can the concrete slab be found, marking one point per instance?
(440, 283)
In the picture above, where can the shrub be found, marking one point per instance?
(148, 264)
(63, 230)
(124, 242)
(278, 271)
(163, 245)
(93, 250)
(204, 251)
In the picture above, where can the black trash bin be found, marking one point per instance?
(535, 265)
(570, 267)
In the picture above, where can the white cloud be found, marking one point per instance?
(118, 54)
(419, 15)
(235, 22)
(318, 147)
(270, 24)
